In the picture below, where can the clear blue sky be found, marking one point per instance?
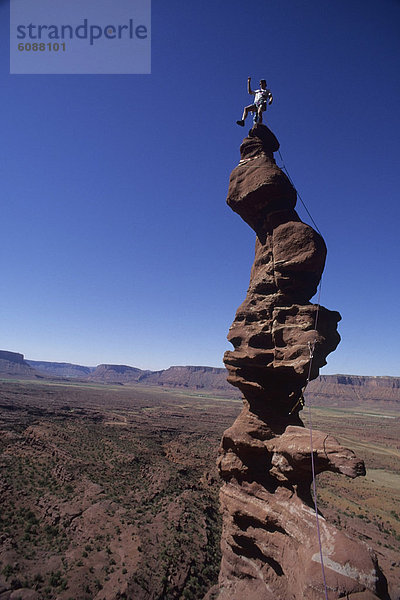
(116, 242)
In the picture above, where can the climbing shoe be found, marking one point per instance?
(241, 123)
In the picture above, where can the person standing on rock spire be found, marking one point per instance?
(262, 97)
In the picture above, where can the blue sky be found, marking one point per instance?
(116, 242)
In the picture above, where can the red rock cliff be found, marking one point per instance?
(270, 548)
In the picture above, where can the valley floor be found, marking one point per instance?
(111, 492)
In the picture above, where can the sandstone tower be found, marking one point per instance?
(270, 546)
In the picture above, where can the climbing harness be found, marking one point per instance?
(255, 115)
(263, 105)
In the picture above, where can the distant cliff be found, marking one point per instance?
(362, 380)
(116, 374)
(13, 365)
(60, 369)
(346, 390)
(326, 390)
(191, 377)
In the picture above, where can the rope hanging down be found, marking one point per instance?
(301, 199)
(311, 346)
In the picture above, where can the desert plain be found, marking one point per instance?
(111, 492)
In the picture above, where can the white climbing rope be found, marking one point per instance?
(301, 199)
(311, 346)
(314, 479)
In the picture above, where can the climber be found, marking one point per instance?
(262, 97)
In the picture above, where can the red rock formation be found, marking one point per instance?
(13, 366)
(269, 542)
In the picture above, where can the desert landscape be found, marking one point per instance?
(200, 209)
(110, 491)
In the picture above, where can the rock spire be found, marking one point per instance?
(270, 547)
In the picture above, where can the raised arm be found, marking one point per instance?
(249, 86)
